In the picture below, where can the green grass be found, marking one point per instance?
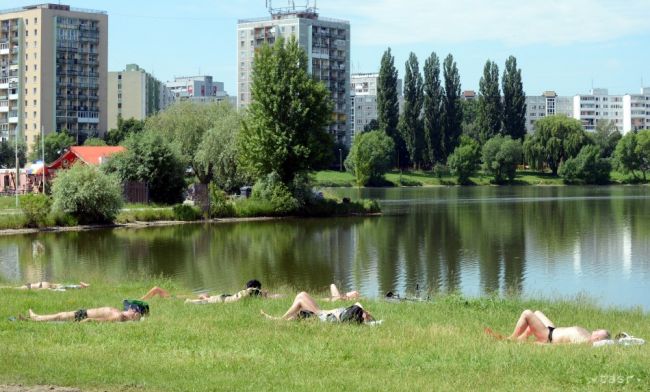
(330, 178)
(437, 345)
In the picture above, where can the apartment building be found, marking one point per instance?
(53, 69)
(198, 89)
(134, 93)
(547, 104)
(363, 100)
(327, 44)
(636, 111)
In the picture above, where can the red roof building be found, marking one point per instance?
(90, 155)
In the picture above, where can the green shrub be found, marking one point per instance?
(62, 219)
(272, 190)
(252, 207)
(184, 212)
(370, 157)
(36, 208)
(220, 206)
(500, 156)
(463, 162)
(87, 194)
(587, 167)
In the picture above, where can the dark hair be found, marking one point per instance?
(254, 283)
(137, 305)
(352, 314)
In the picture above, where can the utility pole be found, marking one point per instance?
(340, 160)
(17, 168)
(43, 155)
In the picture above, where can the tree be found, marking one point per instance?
(556, 139)
(216, 157)
(432, 110)
(86, 193)
(500, 156)
(514, 101)
(464, 161)
(470, 125)
(55, 144)
(388, 105)
(284, 131)
(453, 111)
(123, 130)
(370, 157)
(588, 167)
(632, 153)
(94, 141)
(150, 159)
(8, 154)
(411, 121)
(606, 137)
(184, 124)
(490, 111)
(372, 125)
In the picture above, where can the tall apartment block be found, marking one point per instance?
(547, 104)
(363, 100)
(327, 44)
(197, 89)
(53, 66)
(134, 93)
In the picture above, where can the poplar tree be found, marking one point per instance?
(514, 101)
(411, 121)
(388, 104)
(432, 121)
(490, 110)
(453, 111)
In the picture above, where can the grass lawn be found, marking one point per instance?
(438, 345)
(331, 178)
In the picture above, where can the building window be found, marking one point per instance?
(241, 44)
(34, 90)
(35, 56)
(34, 114)
(34, 128)
(35, 44)
(35, 67)
(35, 20)
(26, 33)
(34, 79)
(119, 106)
(34, 102)
(119, 76)
(35, 31)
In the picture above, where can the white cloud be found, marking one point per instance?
(513, 22)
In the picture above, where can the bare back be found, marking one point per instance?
(105, 314)
(573, 334)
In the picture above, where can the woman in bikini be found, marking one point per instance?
(304, 306)
(538, 325)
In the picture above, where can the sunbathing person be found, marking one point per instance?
(304, 306)
(538, 325)
(86, 315)
(52, 286)
(253, 289)
(335, 295)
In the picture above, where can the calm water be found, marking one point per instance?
(550, 241)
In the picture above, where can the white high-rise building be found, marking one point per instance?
(327, 44)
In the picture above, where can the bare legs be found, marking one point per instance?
(63, 316)
(302, 302)
(156, 291)
(530, 323)
(335, 295)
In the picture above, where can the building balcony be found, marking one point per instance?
(13, 97)
(13, 120)
(4, 48)
(4, 83)
(88, 117)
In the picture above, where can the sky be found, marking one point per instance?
(568, 46)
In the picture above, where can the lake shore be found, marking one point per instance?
(419, 344)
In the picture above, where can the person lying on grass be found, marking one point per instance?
(335, 295)
(52, 286)
(253, 289)
(304, 306)
(538, 325)
(132, 312)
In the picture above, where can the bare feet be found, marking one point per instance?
(268, 316)
(83, 285)
(32, 315)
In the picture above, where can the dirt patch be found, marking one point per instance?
(36, 388)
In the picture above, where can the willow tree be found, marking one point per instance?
(284, 131)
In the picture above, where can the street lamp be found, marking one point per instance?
(340, 159)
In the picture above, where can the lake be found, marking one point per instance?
(554, 242)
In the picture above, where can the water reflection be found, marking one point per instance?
(483, 240)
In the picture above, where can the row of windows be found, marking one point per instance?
(27, 21)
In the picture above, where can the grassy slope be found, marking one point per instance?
(420, 346)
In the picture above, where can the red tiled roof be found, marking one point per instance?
(92, 154)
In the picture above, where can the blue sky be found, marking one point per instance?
(561, 45)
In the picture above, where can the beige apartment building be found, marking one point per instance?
(134, 93)
(53, 67)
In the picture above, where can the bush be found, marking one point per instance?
(463, 162)
(272, 190)
(632, 154)
(370, 157)
(36, 209)
(587, 167)
(220, 206)
(501, 155)
(87, 194)
(184, 212)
